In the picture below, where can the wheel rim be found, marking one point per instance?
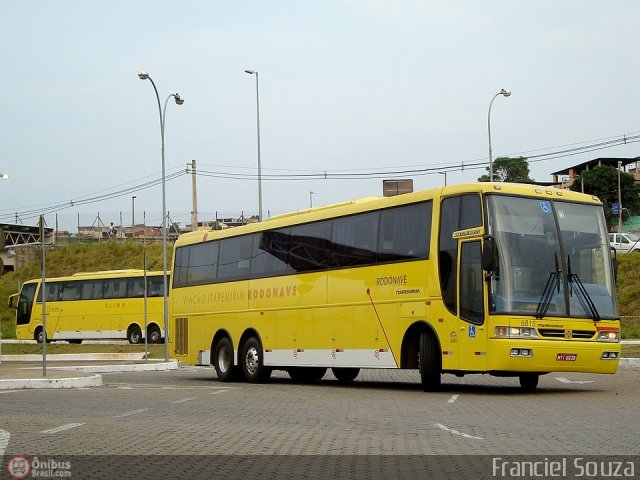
(224, 359)
(135, 336)
(252, 360)
(154, 336)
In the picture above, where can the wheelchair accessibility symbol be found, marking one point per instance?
(545, 207)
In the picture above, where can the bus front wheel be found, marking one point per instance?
(39, 335)
(223, 360)
(252, 361)
(430, 362)
(529, 381)
(134, 335)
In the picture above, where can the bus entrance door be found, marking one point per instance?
(472, 336)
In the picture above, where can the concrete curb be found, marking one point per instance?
(629, 362)
(152, 366)
(69, 382)
(72, 357)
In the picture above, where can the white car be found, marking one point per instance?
(624, 242)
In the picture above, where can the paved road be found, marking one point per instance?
(188, 412)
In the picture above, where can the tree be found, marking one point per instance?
(507, 169)
(602, 181)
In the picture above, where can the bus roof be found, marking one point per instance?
(374, 203)
(103, 274)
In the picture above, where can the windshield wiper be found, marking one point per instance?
(583, 296)
(553, 282)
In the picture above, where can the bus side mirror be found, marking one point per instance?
(13, 300)
(489, 254)
(614, 263)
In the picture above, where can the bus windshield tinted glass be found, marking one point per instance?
(538, 241)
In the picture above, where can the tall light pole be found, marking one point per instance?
(445, 177)
(133, 216)
(162, 112)
(311, 198)
(255, 72)
(504, 93)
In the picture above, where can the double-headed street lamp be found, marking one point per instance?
(504, 93)
(4, 176)
(162, 112)
(255, 72)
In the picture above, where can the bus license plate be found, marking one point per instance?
(566, 357)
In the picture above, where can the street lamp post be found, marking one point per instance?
(504, 93)
(311, 198)
(255, 72)
(162, 112)
(445, 177)
(133, 216)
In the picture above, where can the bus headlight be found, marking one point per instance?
(515, 332)
(609, 336)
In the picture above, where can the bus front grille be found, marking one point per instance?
(561, 333)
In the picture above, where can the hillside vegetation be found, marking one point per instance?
(111, 256)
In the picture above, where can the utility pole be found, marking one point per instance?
(619, 199)
(194, 198)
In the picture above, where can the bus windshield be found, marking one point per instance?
(552, 257)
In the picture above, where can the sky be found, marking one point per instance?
(350, 92)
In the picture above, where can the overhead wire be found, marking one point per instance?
(343, 174)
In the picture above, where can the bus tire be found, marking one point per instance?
(345, 375)
(529, 381)
(306, 374)
(252, 361)
(38, 335)
(430, 362)
(134, 335)
(223, 360)
(153, 334)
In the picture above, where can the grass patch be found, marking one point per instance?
(631, 351)
(155, 351)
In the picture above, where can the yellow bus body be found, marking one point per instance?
(371, 316)
(70, 317)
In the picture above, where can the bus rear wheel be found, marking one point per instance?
(345, 375)
(223, 360)
(134, 335)
(430, 362)
(252, 361)
(529, 381)
(153, 334)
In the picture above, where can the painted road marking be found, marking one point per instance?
(132, 412)
(62, 428)
(456, 432)
(160, 386)
(453, 398)
(566, 380)
(4, 441)
(183, 400)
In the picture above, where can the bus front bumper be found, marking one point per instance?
(516, 355)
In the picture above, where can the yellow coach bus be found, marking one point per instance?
(96, 305)
(505, 279)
